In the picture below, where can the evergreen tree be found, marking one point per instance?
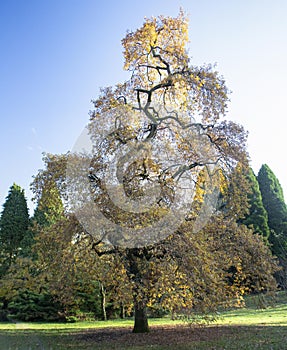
(257, 217)
(13, 226)
(273, 200)
(21, 287)
(50, 207)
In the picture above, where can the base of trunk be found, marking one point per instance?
(141, 321)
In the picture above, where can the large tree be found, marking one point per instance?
(153, 143)
(149, 139)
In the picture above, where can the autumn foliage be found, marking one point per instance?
(210, 260)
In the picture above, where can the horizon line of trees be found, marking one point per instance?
(80, 286)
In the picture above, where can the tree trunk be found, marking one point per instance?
(122, 311)
(141, 321)
(103, 302)
(136, 264)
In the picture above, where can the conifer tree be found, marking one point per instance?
(273, 201)
(257, 217)
(22, 285)
(50, 207)
(13, 226)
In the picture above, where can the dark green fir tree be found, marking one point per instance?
(273, 200)
(48, 211)
(50, 208)
(274, 203)
(14, 224)
(257, 217)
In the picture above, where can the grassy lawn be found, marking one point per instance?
(246, 329)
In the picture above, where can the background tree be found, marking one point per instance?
(69, 271)
(273, 201)
(257, 217)
(64, 269)
(48, 211)
(13, 226)
(22, 284)
(50, 207)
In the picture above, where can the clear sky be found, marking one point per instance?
(56, 54)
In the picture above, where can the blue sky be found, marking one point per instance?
(56, 54)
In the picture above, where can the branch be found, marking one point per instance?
(124, 98)
(156, 55)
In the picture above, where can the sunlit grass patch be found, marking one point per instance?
(247, 329)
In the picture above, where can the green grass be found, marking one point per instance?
(247, 329)
(68, 327)
(245, 317)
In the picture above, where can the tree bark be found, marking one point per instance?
(103, 302)
(122, 311)
(141, 321)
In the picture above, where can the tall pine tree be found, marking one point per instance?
(23, 291)
(273, 200)
(14, 224)
(50, 207)
(257, 218)
(48, 211)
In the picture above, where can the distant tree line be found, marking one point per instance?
(48, 270)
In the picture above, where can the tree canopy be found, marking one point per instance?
(149, 139)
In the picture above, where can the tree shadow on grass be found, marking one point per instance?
(160, 338)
